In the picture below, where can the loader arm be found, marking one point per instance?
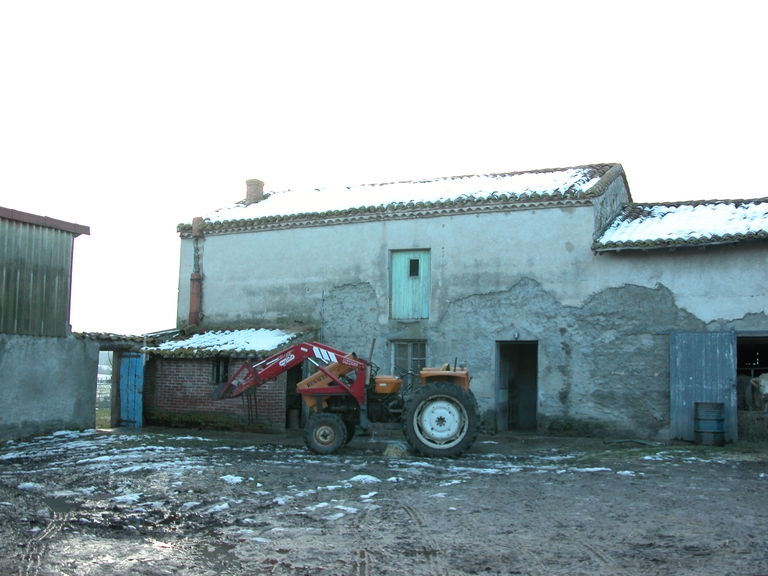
(324, 357)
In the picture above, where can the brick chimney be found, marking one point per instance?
(255, 191)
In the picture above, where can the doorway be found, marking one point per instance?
(517, 385)
(104, 390)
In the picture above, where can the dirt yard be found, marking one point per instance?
(179, 502)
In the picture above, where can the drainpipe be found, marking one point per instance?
(195, 279)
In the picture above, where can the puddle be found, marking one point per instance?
(61, 504)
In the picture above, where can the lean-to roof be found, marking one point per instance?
(678, 224)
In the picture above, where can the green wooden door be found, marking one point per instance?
(410, 284)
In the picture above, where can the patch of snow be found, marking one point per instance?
(347, 509)
(333, 517)
(590, 469)
(625, 473)
(368, 496)
(439, 495)
(218, 508)
(29, 486)
(230, 479)
(127, 498)
(188, 505)
(364, 479)
(396, 479)
(450, 482)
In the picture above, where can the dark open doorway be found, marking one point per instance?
(516, 387)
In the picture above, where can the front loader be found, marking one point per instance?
(438, 413)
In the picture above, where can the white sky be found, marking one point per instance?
(132, 117)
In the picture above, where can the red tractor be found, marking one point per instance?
(438, 414)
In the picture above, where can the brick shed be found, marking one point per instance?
(181, 374)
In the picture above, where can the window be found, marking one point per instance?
(410, 284)
(220, 370)
(410, 354)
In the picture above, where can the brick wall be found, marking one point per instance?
(177, 392)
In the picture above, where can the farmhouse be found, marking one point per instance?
(47, 376)
(576, 310)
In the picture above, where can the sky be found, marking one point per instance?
(133, 117)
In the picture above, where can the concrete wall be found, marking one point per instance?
(600, 319)
(47, 384)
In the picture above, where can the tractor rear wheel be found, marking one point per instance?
(440, 419)
(325, 433)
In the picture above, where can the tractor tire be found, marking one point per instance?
(351, 429)
(325, 433)
(440, 419)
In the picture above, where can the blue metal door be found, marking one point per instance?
(131, 388)
(702, 369)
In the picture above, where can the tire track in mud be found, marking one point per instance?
(38, 546)
(430, 547)
(509, 538)
(595, 550)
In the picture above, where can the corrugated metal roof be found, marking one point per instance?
(416, 198)
(643, 226)
(45, 221)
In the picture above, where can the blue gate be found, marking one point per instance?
(131, 389)
(702, 369)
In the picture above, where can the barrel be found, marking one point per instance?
(709, 423)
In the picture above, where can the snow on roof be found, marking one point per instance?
(681, 224)
(319, 200)
(223, 343)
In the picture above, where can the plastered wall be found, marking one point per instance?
(601, 320)
(47, 384)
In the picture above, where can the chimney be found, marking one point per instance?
(195, 298)
(255, 191)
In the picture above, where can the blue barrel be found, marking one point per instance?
(709, 423)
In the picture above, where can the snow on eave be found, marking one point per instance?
(240, 343)
(681, 224)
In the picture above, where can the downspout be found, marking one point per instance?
(195, 279)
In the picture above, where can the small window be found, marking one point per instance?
(410, 354)
(220, 370)
(414, 268)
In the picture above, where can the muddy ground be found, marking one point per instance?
(188, 502)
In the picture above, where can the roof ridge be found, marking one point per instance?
(677, 203)
(602, 165)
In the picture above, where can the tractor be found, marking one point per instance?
(438, 412)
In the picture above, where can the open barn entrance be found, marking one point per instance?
(751, 363)
(516, 385)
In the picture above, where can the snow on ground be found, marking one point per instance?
(175, 465)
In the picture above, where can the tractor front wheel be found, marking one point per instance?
(440, 419)
(325, 433)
